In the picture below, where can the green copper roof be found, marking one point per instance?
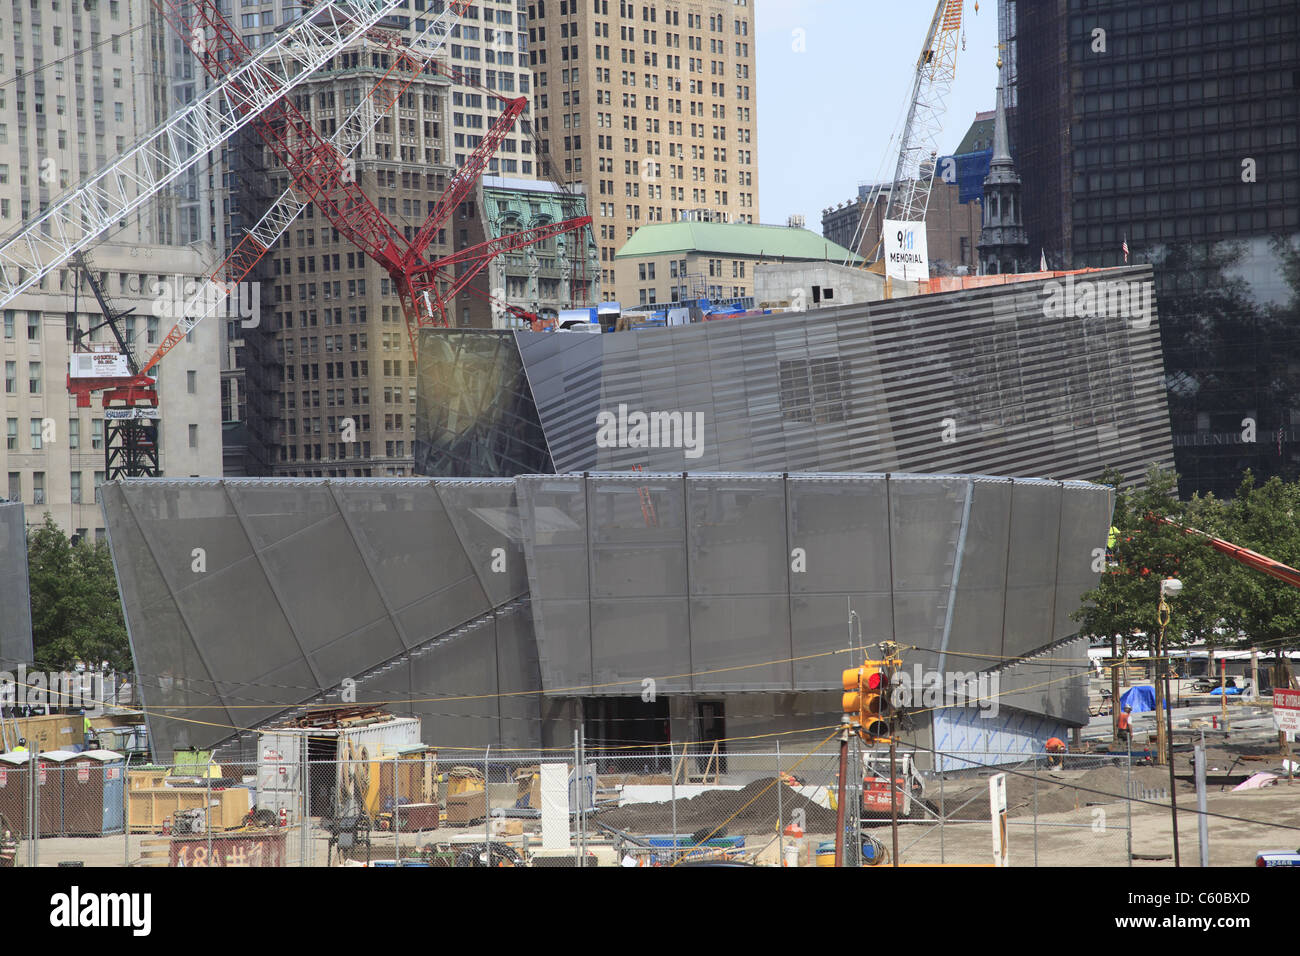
(730, 238)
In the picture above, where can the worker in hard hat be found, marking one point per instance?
(1055, 748)
(22, 746)
(1125, 730)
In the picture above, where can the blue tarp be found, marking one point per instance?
(1140, 698)
(1230, 691)
(972, 168)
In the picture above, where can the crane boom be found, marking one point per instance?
(1252, 559)
(277, 219)
(77, 218)
(317, 166)
(936, 68)
(465, 178)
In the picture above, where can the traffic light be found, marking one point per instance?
(875, 709)
(866, 699)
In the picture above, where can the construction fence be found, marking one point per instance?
(646, 808)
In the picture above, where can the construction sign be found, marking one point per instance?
(1286, 711)
(998, 815)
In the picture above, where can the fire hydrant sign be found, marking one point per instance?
(1286, 711)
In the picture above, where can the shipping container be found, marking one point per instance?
(346, 777)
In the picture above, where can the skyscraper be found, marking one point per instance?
(1174, 128)
(649, 108)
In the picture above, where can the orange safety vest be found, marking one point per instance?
(1123, 721)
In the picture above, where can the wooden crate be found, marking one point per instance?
(148, 808)
(146, 778)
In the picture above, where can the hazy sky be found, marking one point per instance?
(826, 114)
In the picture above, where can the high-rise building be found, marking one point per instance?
(650, 109)
(87, 81)
(1169, 133)
(334, 359)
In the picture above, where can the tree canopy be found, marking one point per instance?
(1223, 603)
(76, 610)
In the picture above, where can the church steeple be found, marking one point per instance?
(1003, 245)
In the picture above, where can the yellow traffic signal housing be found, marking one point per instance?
(851, 701)
(875, 709)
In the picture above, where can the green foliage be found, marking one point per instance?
(1224, 603)
(76, 611)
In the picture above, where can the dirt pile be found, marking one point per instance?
(1057, 793)
(708, 810)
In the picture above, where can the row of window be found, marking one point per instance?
(44, 430)
(39, 496)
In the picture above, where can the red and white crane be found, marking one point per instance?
(81, 215)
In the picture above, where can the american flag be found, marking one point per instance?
(1125, 250)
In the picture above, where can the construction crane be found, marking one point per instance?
(935, 71)
(321, 172)
(129, 398)
(77, 218)
(409, 62)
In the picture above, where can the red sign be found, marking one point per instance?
(42, 776)
(4, 778)
(83, 773)
(1286, 710)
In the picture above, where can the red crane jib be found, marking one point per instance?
(317, 167)
(462, 182)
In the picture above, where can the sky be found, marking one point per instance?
(826, 112)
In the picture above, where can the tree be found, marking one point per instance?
(1146, 551)
(76, 611)
(1265, 610)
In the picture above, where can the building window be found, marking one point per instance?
(38, 488)
(15, 486)
(36, 434)
(34, 378)
(97, 434)
(75, 485)
(99, 480)
(194, 436)
(11, 435)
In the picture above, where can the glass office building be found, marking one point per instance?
(1176, 130)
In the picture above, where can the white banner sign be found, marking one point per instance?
(906, 254)
(998, 815)
(132, 414)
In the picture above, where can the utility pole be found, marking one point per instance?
(1114, 688)
(839, 804)
(1202, 822)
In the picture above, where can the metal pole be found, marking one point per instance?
(1202, 822)
(895, 794)
(126, 811)
(304, 824)
(1128, 802)
(780, 810)
(207, 805)
(577, 796)
(943, 810)
(487, 807)
(673, 792)
(1173, 794)
(839, 805)
(1036, 811)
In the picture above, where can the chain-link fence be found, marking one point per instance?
(664, 807)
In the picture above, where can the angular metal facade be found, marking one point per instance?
(1022, 379)
(482, 604)
(15, 594)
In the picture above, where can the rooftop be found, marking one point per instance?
(734, 239)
